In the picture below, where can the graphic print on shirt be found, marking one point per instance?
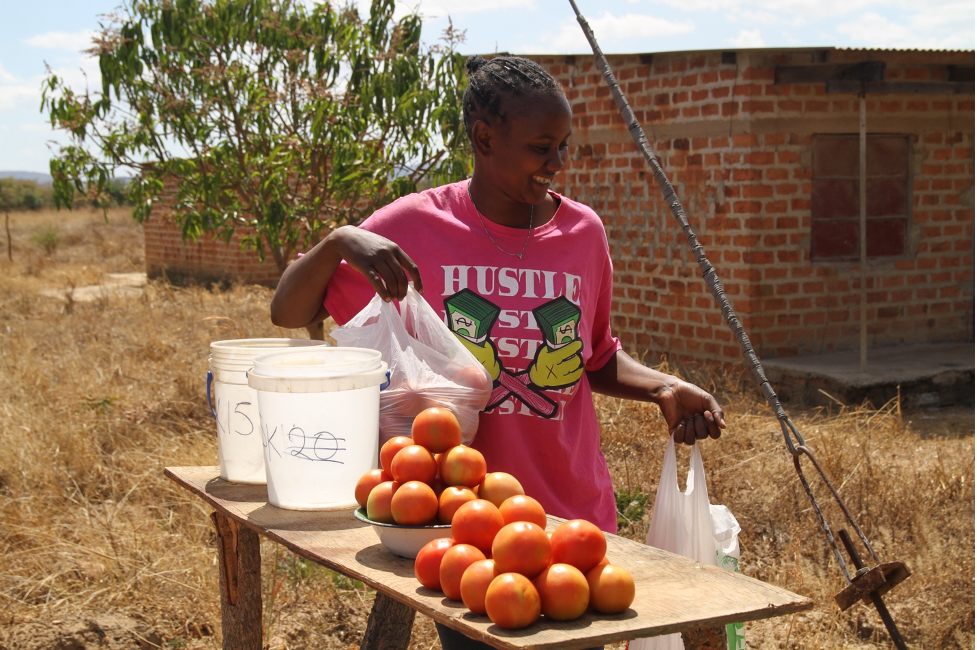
(557, 364)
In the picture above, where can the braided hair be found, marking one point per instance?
(492, 81)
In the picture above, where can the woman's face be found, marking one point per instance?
(529, 147)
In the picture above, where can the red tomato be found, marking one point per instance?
(436, 429)
(498, 486)
(521, 507)
(563, 591)
(427, 564)
(580, 543)
(462, 465)
(476, 523)
(390, 449)
(367, 482)
(456, 559)
(450, 500)
(413, 463)
(474, 583)
(473, 377)
(521, 547)
(611, 588)
(378, 503)
(511, 601)
(414, 504)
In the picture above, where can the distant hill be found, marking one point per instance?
(37, 177)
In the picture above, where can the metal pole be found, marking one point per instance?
(862, 243)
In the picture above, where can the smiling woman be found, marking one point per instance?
(541, 328)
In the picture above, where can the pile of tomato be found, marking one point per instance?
(499, 560)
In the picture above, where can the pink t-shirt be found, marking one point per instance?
(544, 320)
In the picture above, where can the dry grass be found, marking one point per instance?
(99, 550)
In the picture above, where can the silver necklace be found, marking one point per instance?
(482, 219)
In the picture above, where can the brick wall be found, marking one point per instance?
(207, 259)
(737, 146)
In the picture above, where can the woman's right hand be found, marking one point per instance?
(298, 299)
(384, 264)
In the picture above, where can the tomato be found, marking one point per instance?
(462, 465)
(521, 547)
(436, 429)
(511, 601)
(474, 583)
(450, 500)
(476, 523)
(473, 377)
(611, 588)
(498, 486)
(563, 591)
(367, 482)
(414, 504)
(378, 503)
(390, 448)
(413, 463)
(427, 564)
(580, 543)
(521, 507)
(456, 559)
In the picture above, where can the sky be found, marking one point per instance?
(41, 34)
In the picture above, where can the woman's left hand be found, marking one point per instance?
(691, 413)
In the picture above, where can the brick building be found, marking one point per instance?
(209, 259)
(762, 148)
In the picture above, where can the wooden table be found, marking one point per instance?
(674, 594)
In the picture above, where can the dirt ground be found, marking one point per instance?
(99, 550)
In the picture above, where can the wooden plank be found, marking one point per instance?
(901, 87)
(239, 559)
(389, 626)
(860, 72)
(673, 593)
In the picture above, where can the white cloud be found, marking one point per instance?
(14, 94)
(783, 7)
(75, 41)
(748, 38)
(457, 7)
(6, 77)
(610, 28)
(874, 30)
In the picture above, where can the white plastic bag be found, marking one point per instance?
(428, 365)
(685, 523)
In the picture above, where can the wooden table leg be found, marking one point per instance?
(240, 579)
(389, 625)
(705, 638)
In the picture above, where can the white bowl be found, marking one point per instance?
(404, 541)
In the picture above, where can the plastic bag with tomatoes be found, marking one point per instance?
(428, 365)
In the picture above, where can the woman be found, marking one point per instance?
(523, 276)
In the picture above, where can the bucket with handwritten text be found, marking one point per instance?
(234, 404)
(320, 415)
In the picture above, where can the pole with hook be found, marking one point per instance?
(866, 584)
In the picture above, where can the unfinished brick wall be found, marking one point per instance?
(737, 146)
(207, 259)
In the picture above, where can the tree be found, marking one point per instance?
(277, 120)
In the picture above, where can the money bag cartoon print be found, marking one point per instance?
(557, 364)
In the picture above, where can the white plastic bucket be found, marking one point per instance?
(234, 404)
(320, 416)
